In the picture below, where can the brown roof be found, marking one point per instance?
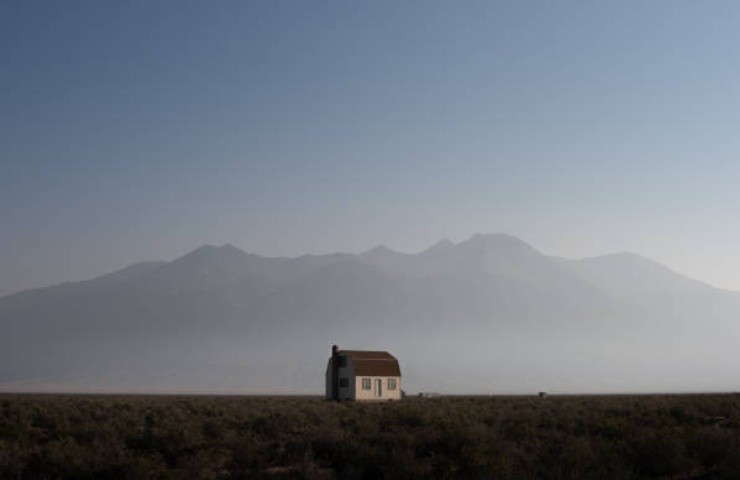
(370, 363)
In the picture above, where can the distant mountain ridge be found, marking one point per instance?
(487, 314)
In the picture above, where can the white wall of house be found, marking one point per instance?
(370, 394)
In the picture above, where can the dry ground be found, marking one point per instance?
(599, 437)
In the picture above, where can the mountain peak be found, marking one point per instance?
(227, 247)
(207, 250)
(226, 256)
(378, 250)
(629, 262)
(209, 247)
(495, 240)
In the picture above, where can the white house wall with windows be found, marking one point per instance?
(362, 375)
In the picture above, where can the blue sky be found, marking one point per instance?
(140, 130)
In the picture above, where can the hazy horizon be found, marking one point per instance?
(490, 314)
(428, 246)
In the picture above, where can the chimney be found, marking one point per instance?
(335, 372)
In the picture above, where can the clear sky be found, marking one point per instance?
(141, 129)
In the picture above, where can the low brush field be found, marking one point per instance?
(598, 437)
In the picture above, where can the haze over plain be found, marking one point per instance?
(487, 315)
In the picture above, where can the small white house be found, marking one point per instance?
(362, 375)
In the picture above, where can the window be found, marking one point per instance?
(342, 362)
(366, 384)
(344, 382)
(391, 384)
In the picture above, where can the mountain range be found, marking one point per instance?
(487, 315)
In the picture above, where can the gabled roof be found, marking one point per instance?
(373, 363)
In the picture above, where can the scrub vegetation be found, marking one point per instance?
(67, 436)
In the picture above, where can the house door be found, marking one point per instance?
(378, 387)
